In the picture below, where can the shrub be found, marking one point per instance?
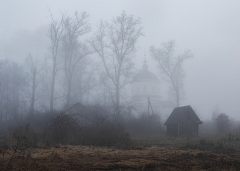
(145, 125)
(52, 129)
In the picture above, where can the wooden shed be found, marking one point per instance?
(80, 113)
(183, 121)
(87, 115)
(77, 108)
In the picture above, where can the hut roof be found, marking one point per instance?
(76, 108)
(182, 113)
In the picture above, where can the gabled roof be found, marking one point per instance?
(76, 108)
(86, 115)
(182, 113)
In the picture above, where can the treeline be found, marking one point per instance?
(96, 126)
(220, 124)
(82, 65)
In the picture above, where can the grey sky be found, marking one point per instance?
(210, 29)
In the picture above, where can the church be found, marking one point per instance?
(146, 94)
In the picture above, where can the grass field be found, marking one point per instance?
(145, 153)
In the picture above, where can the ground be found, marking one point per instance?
(148, 153)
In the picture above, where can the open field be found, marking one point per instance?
(152, 153)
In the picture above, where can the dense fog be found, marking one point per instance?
(204, 35)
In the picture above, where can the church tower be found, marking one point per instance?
(145, 89)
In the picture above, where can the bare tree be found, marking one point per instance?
(85, 81)
(106, 95)
(12, 87)
(33, 68)
(55, 32)
(115, 42)
(74, 49)
(1, 88)
(171, 66)
(17, 86)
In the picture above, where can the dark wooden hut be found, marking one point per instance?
(77, 108)
(183, 121)
(81, 114)
(87, 115)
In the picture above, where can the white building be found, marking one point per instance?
(146, 89)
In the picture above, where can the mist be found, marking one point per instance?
(208, 29)
(96, 84)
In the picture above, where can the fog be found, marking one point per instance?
(210, 29)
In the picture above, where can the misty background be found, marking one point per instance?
(210, 29)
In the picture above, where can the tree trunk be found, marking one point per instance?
(176, 89)
(80, 94)
(177, 97)
(31, 111)
(52, 86)
(1, 110)
(69, 92)
(117, 99)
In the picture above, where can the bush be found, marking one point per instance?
(107, 134)
(145, 125)
(63, 129)
(67, 129)
(222, 123)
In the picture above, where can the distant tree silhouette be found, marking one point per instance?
(115, 43)
(171, 66)
(74, 48)
(55, 33)
(222, 123)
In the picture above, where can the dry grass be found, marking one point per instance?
(102, 158)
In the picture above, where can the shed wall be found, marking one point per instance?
(172, 130)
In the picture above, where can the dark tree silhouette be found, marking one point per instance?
(222, 123)
(74, 49)
(115, 43)
(55, 32)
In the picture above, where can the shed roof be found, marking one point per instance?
(76, 108)
(181, 114)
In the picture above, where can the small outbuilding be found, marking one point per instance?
(77, 108)
(81, 114)
(183, 121)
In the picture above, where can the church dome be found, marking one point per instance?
(145, 75)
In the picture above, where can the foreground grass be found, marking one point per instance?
(217, 144)
(151, 153)
(137, 157)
